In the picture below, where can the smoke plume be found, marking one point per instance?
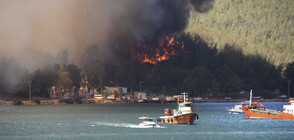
(34, 31)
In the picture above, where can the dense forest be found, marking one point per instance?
(199, 70)
(257, 27)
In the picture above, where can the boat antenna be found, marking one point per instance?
(184, 93)
(250, 101)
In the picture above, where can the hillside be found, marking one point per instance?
(258, 27)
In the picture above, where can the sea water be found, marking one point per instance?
(120, 122)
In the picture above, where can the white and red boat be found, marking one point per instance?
(183, 115)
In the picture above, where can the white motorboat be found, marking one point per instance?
(148, 122)
(237, 109)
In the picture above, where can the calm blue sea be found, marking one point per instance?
(120, 122)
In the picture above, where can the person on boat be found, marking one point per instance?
(254, 106)
(167, 112)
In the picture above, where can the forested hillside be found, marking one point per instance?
(258, 27)
(199, 70)
(237, 45)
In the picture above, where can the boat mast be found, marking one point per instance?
(184, 93)
(250, 101)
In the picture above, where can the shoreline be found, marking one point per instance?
(243, 100)
(106, 101)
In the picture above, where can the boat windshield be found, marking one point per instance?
(185, 105)
(147, 120)
(188, 105)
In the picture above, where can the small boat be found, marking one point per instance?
(140, 101)
(184, 115)
(237, 109)
(148, 122)
(257, 110)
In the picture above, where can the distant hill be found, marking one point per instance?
(258, 27)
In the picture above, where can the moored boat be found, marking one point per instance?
(257, 110)
(237, 109)
(183, 115)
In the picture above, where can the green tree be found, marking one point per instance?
(289, 72)
(198, 81)
(93, 67)
(63, 82)
(289, 78)
(228, 81)
(42, 80)
(75, 76)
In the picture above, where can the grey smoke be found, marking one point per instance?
(34, 31)
(46, 26)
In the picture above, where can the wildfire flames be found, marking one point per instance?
(162, 50)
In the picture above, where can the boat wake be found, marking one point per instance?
(125, 125)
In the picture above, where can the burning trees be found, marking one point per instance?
(160, 50)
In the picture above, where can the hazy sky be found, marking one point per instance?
(48, 25)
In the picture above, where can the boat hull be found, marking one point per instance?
(180, 119)
(279, 115)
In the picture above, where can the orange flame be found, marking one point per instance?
(167, 47)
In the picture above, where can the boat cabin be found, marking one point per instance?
(185, 106)
(149, 119)
(289, 108)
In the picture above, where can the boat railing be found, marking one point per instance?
(269, 112)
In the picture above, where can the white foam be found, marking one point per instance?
(126, 125)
